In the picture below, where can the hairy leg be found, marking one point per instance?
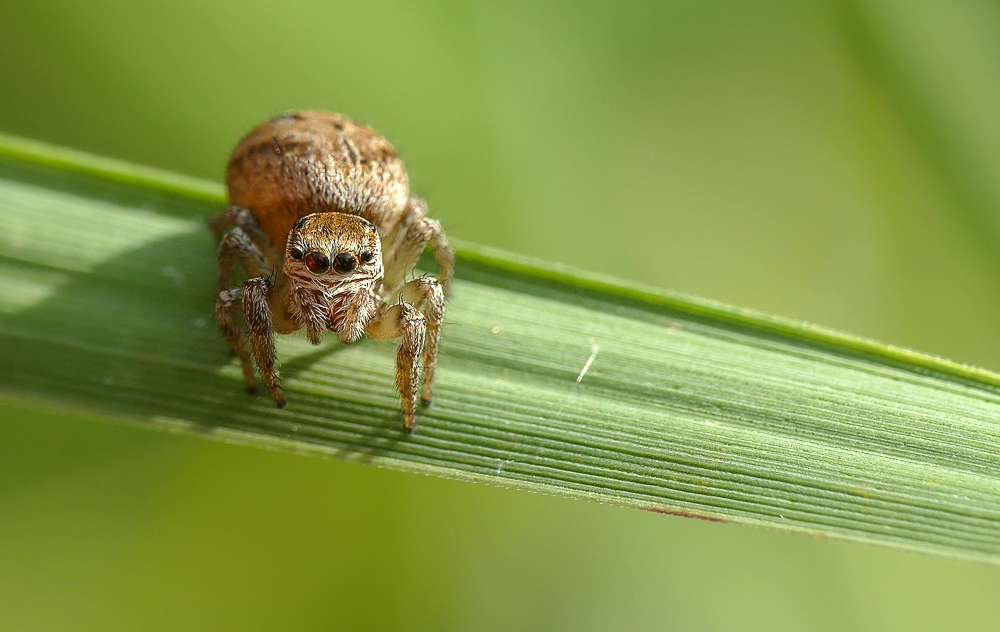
(403, 321)
(244, 220)
(404, 245)
(258, 316)
(417, 292)
(237, 247)
(226, 307)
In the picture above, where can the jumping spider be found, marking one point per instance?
(333, 196)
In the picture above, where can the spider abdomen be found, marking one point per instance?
(315, 162)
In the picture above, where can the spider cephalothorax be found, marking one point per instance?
(334, 196)
(333, 266)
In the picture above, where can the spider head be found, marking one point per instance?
(333, 247)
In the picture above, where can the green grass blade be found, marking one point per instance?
(686, 406)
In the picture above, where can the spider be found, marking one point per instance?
(327, 231)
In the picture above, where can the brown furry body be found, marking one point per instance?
(312, 189)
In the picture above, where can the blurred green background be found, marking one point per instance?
(831, 161)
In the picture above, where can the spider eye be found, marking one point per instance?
(296, 253)
(366, 256)
(317, 262)
(344, 262)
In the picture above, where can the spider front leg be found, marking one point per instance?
(417, 292)
(403, 321)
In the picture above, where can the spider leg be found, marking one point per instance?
(226, 307)
(403, 246)
(403, 321)
(417, 292)
(245, 220)
(235, 247)
(257, 312)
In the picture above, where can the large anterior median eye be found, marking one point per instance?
(317, 262)
(344, 262)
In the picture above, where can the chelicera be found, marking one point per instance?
(327, 231)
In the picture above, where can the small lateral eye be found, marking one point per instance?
(317, 262)
(296, 253)
(366, 256)
(344, 262)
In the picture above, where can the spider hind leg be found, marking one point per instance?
(404, 244)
